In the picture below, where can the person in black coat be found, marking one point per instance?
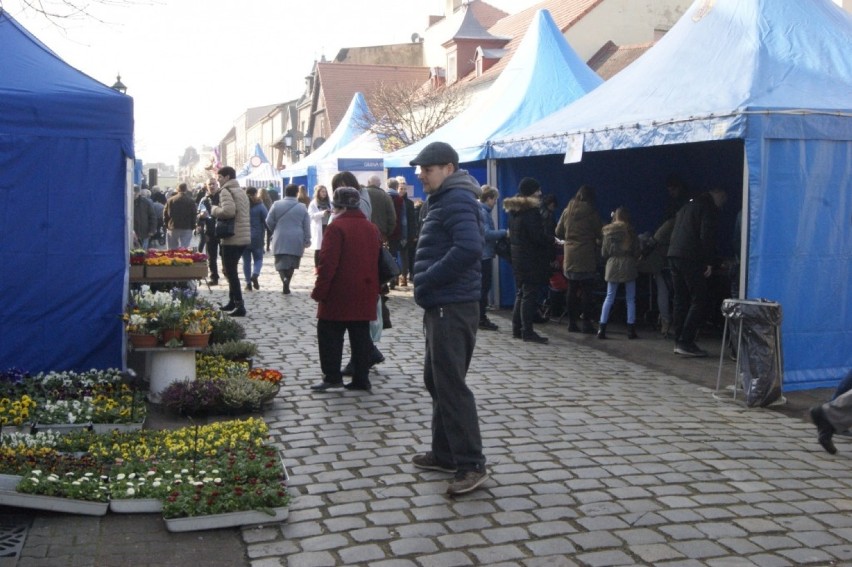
(692, 250)
(532, 251)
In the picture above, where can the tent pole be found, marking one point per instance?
(491, 177)
(744, 229)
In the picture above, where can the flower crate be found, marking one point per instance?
(9, 481)
(228, 520)
(196, 270)
(120, 427)
(62, 428)
(137, 272)
(52, 503)
(135, 505)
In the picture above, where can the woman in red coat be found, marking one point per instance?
(346, 290)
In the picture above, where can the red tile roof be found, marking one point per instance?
(565, 14)
(340, 82)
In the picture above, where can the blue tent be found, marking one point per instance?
(753, 95)
(543, 76)
(351, 127)
(65, 144)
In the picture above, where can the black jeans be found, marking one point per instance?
(450, 332)
(580, 299)
(230, 260)
(487, 266)
(690, 298)
(330, 342)
(213, 256)
(526, 306)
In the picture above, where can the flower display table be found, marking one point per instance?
(166, 366)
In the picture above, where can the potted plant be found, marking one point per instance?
(197, 327)
(142, 329)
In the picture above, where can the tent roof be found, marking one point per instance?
(720, 61)
(543, 75)
(350, 127)
(42, 95)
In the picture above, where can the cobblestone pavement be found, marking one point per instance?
(594, 460)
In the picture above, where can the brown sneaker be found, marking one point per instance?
(427, 461)
(467, 481)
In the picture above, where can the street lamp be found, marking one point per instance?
(118, 85)
(289, 144)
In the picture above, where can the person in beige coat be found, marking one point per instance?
(621, 249)
(580, 227)
(233, 203)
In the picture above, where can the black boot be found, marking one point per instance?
(602, 331)
(228, 306)
(631, 332)
(572, 326)
(239, 309)
(825, 431)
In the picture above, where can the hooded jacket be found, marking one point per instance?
(621, 249)
(234, 203)
(580, 228)
(447, 263)
(694, 232)
(532, 246)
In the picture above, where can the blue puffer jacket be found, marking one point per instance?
(449, 251)
(491, 233)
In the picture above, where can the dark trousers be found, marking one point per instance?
(450, 333)
(580, 299)
(526, 306)
(230, 260)
(486, 287)
(330, 342)
(213, 256)
(404, 261)
(690, 298)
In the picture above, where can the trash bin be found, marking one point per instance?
(755, 326)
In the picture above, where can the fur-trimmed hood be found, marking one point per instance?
(520, 203)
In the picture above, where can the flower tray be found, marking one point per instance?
(9, 481)
(52, 503)
(229, 520)
(62, 428)
(195, 270)
(120, 427)
(135, 505)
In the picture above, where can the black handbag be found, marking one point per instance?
(503, 249)
(388, 268)
(225, 227)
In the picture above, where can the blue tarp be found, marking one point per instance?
(774, 79)
(543, 76)
(65, 140)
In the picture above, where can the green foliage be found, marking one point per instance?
(233, 350)
(226, 329)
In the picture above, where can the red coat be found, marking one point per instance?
(347, 285)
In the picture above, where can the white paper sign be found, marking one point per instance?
(574, 153)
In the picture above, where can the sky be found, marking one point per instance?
(194, 66)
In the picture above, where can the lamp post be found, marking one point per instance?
(118, 85)
(294, 151)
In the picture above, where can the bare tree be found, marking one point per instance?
(59, 11)
(405, 113)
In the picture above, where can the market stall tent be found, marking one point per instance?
(351, 126)
(543, 76)
(66, 143)
(753, 95)
(257, 171)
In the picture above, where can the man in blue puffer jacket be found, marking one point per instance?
(447, 283)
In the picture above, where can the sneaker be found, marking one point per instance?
(467, 481)
(487, 325)
(427, 461)
(691, 350)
